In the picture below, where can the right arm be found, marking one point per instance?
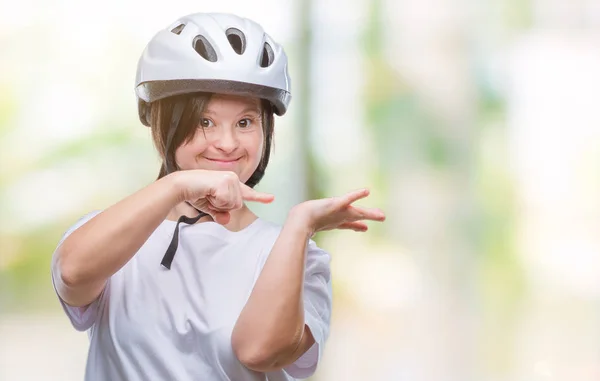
(100, 247)
(90, 255)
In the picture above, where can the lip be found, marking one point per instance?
(224, 161)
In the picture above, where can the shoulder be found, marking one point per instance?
(86, 217)
(80, 222)
(267, 230)
(269, 227)
(272, 228)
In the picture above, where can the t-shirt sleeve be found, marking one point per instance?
(317, 309)
(82, 318)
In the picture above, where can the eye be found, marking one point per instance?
(206, 123)
(245, 123)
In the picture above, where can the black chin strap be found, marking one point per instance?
(168, 166)
(170, 253)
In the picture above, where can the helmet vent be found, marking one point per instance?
(205, 49)
(267, 56)
(178, 29)
(237, 40)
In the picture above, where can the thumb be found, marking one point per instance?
(249, 194)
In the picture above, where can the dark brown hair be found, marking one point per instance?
(194, 105)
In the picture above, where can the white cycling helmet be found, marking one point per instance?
(212, 52)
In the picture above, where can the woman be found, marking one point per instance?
(242, 299)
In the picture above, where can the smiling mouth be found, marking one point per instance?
(224, 161)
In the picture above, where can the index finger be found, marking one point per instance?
(353, 196)
(249, 194)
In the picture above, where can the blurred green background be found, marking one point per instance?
(475, 124)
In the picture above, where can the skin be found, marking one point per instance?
(270, 332)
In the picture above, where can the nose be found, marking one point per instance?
(226, 141)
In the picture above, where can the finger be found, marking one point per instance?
(357, 226)
(354, 196)
(237, 197)
(249, 194)
(360, 213)
(219, 216)
(221, 202)
(226, 199)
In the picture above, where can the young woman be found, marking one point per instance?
(226, 296)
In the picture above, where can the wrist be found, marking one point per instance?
(300, 219)
(175, 184)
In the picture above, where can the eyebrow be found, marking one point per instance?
(251, 109)
(245, 111)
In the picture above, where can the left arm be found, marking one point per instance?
(271, 332)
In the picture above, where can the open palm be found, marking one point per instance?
(339, 213)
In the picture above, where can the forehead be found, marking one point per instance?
(228, 104)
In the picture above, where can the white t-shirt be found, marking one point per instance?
(151, 323)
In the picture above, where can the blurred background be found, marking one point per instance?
(476, 125)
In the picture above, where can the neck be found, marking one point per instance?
(240, 218)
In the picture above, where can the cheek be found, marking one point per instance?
(185, 155)
(260, 144)
(254, 146)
